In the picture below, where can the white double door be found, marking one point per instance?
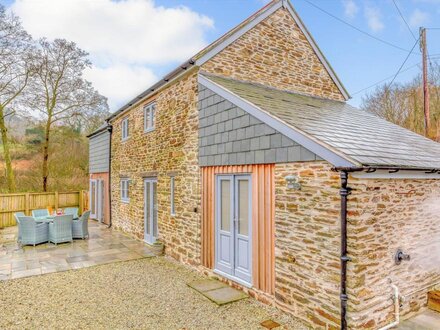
(233, 251)
(150, 210)
(97, 199)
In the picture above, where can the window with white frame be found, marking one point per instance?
(124, 190)
(124, 129)
(172, 182)
(149, 117)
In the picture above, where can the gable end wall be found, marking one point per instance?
(276, 53)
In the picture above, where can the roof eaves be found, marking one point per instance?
(323, 150)
(98, 131)
(154, 88)
(196, 60)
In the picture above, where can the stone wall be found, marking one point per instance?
(171, 149)
(385, 215)
(275, 53)
(307, 243)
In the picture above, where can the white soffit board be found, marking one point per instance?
(296, 135)
(402, 174)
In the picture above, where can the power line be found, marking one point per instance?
(385, 79)
(403, 18)
(356, 28)
(407, 56)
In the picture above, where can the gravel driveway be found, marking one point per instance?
(141, 294)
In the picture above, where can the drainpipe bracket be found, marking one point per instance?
(345, 258)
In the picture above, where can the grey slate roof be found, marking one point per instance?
(360, 137)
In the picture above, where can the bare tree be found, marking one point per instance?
(59, 91)
(402, 104)
(15, 48)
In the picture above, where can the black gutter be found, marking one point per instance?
(110, 130)
(344, 192)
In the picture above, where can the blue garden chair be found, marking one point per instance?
(16, 215)
(60, 230)
(80, 227)
(32, 232)
(71, 210)
(40, 213)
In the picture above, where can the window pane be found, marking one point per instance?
(154, 209)
(153, 115)
(92, 197)
(243, 207)
(225, 208)
(126, 130)
(147, 118)
(147, 207)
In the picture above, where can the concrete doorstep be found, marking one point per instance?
(217, 291)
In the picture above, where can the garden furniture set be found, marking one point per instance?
(43, 227)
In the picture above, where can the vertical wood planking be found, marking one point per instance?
(263, 215)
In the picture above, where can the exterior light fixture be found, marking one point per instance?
(292, 182)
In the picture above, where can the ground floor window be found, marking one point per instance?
(125, 190)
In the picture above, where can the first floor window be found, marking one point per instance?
(149, 117)
(124, 129)
(173, 212)
(124, 190)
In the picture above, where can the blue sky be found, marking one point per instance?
(359, 60)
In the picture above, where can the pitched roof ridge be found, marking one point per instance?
(208, 74)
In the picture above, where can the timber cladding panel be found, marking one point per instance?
(230, 136)
(262, 220)
(275, 53)
(99, 148)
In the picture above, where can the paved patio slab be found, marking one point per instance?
(428, 320)
(104, 246)
(217, 291)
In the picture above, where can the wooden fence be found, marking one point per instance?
(26, 202)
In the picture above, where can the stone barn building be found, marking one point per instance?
(248, 164)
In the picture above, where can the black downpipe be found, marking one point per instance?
(344, 192)
(110, 130)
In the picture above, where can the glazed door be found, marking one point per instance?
(150, 210)
(93, 192)
(100, 200)
(97, 199)
(233, 226)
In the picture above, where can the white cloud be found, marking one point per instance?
(350, 8)
(418, 18)
(374, 18)
(120, 82)
(125, 38)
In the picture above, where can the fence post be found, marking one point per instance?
(27, 202)
(56, 200)
(81, 201)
